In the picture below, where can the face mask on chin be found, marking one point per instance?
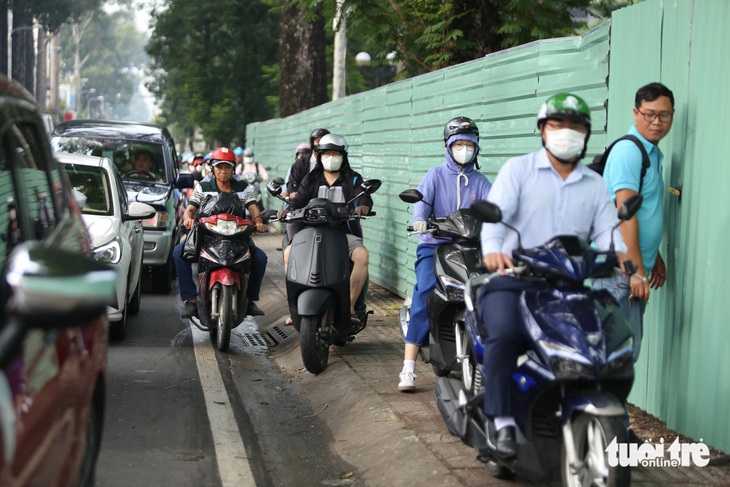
(463, 155)
(331, 163)
(565, 144)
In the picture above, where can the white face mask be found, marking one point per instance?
(331, 163)
(462, 155)
(248, 160)
(565, 144)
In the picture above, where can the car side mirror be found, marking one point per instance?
(52, 289)
(184, 180)
(139, 211)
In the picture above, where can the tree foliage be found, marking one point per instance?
(208, 65)
(426, 35)
(111, 57)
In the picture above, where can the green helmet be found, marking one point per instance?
(565, 106)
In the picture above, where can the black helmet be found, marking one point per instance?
(316, 134)
(460, 125)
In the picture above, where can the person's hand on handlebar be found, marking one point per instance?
(282, 213)
(362, 210)
(420, 226)
(188, 223)
(498, 261)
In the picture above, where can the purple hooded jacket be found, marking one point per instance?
(439, 187)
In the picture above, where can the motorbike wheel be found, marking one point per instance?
(591, 435)
(225, 318)
(314, 348)
(471, 379)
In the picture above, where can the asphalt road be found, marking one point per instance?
(160, 425)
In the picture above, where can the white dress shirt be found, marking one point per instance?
(537, 201)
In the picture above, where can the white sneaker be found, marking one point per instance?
(407, 381)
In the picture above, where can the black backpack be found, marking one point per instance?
(599, 162)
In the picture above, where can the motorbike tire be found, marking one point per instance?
(314, 348)
(592, 434)
(225, 318)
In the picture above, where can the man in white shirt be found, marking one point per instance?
(542, 194)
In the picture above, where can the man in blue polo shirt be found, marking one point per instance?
(653, 116)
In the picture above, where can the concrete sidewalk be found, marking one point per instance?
(392, 438)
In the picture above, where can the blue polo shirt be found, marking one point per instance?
(623, 171)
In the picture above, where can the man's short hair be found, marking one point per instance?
(651, 92)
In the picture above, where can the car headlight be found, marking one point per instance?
(225, 227)
(157, 222)
(110, 253)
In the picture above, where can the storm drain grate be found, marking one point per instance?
(255, 339)
(279, 333)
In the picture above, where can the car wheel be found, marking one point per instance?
(136, 301)
(87, 474)
(163, 276)
(118, 329)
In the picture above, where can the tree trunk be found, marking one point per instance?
(4, 37)
(302, 61)
(41, 84)
(23, 57)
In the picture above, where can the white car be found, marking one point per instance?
(115, 226)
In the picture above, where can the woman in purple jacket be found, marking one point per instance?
(446, 188)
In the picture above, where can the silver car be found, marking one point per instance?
(115, 226)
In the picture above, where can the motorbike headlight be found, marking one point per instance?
(454, 289)
(158, 222)
(620, 358)
(225, 227)
(565, 362)
(316, 215)
(110, 253)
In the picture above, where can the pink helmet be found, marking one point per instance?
(303, 148)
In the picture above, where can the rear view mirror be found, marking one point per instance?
(274, 187)
(184, 180)
(139, 211)
(630, 207)
(411, 196)
(278, 180)
(372, 185)
(486, 211)
(52, 289)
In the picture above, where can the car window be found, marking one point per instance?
(92, 182)
(35, 195)
(135, 160)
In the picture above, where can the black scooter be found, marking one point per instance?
(453, 265)
(318, 277)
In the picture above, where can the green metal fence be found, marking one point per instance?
(394, 134)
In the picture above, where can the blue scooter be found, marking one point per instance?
(569, 387)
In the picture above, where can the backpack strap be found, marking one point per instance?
(645, 161)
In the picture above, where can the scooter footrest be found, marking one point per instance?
(200, 326)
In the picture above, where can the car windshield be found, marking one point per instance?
(92, 182)
(135, 160)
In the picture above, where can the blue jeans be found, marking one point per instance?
(425, 283)
(188, 289)
(620, 288)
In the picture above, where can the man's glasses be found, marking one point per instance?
(460, 144)
(651, 116)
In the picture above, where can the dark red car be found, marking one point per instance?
(53, 325)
